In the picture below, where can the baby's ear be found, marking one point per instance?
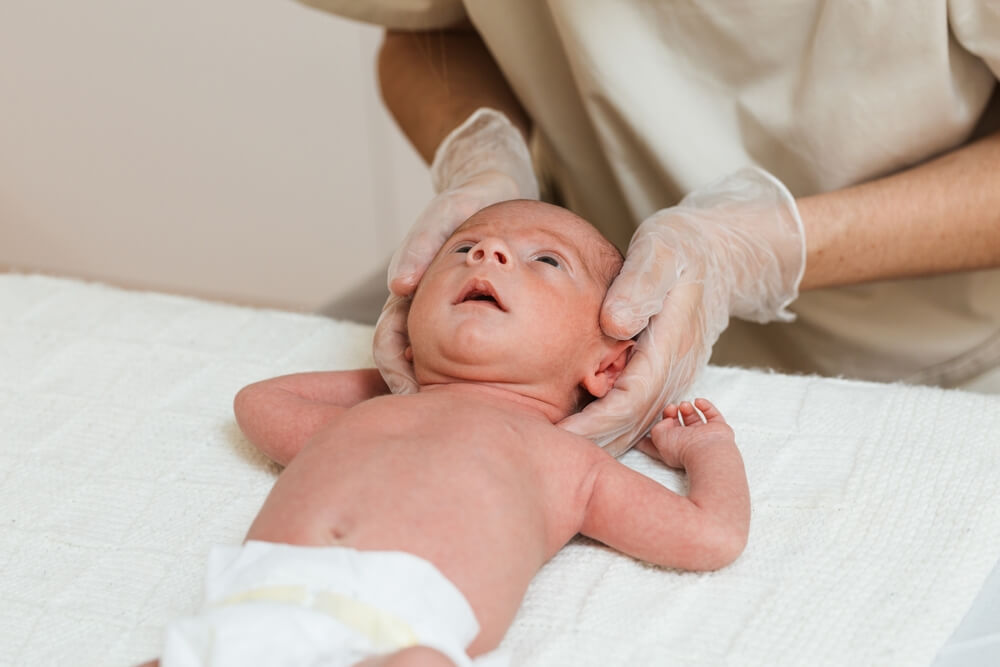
(616, 355)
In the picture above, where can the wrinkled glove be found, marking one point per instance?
(483, 161)
(734, 248)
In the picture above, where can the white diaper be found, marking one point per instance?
(276, 604)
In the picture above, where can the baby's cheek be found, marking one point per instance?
(417, 315)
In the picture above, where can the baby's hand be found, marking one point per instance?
(683, 429)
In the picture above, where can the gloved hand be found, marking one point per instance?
(736, 247)
(483, 161)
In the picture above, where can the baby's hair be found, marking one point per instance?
(609, 262)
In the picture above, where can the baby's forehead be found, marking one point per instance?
(536, 219)
(515, 228)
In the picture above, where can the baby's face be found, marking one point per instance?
(513, 297)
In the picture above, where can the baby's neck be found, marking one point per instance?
(500, 394)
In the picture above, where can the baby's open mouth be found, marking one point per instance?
(481, 291)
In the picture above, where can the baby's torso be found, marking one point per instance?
(485, 494)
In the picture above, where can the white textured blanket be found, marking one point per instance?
(876, 508)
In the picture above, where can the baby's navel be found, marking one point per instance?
(337, 534)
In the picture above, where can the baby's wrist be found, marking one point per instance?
(713, 447)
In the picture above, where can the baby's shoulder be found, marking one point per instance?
(570, 448)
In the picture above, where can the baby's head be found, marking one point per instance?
(513, 299)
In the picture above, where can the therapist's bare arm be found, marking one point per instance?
(705, 530)
(939, 217)
(280, 414)
(431, 81)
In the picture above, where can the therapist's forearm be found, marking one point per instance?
(939, 217)
(432, 81)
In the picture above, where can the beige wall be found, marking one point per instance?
(233, 149)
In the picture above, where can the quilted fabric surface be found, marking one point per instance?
(876, 508)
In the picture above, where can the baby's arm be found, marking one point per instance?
(705, 530)
(279, 415)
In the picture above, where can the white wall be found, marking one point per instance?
(233, 149)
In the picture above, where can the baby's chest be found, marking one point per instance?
(478, 446)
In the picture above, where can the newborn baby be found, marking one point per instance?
(405, 529)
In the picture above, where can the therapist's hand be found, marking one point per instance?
(482, 162)
(734, 248)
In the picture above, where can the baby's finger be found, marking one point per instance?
(688, 415)
(711, 413)
(670, 419)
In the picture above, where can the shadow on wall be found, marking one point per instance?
(363, 301)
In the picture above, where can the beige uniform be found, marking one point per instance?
(637, 103)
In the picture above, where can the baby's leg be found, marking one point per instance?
(414, 656)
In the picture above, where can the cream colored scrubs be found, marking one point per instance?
(637, 103)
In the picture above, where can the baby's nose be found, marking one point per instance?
(490, 250)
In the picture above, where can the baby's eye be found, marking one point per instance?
(464, 247)
(548, 259)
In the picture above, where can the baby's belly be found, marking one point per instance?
(479, 524)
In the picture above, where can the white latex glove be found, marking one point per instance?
(483, 161)
(736, 247)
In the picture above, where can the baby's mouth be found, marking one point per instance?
(480, 291)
